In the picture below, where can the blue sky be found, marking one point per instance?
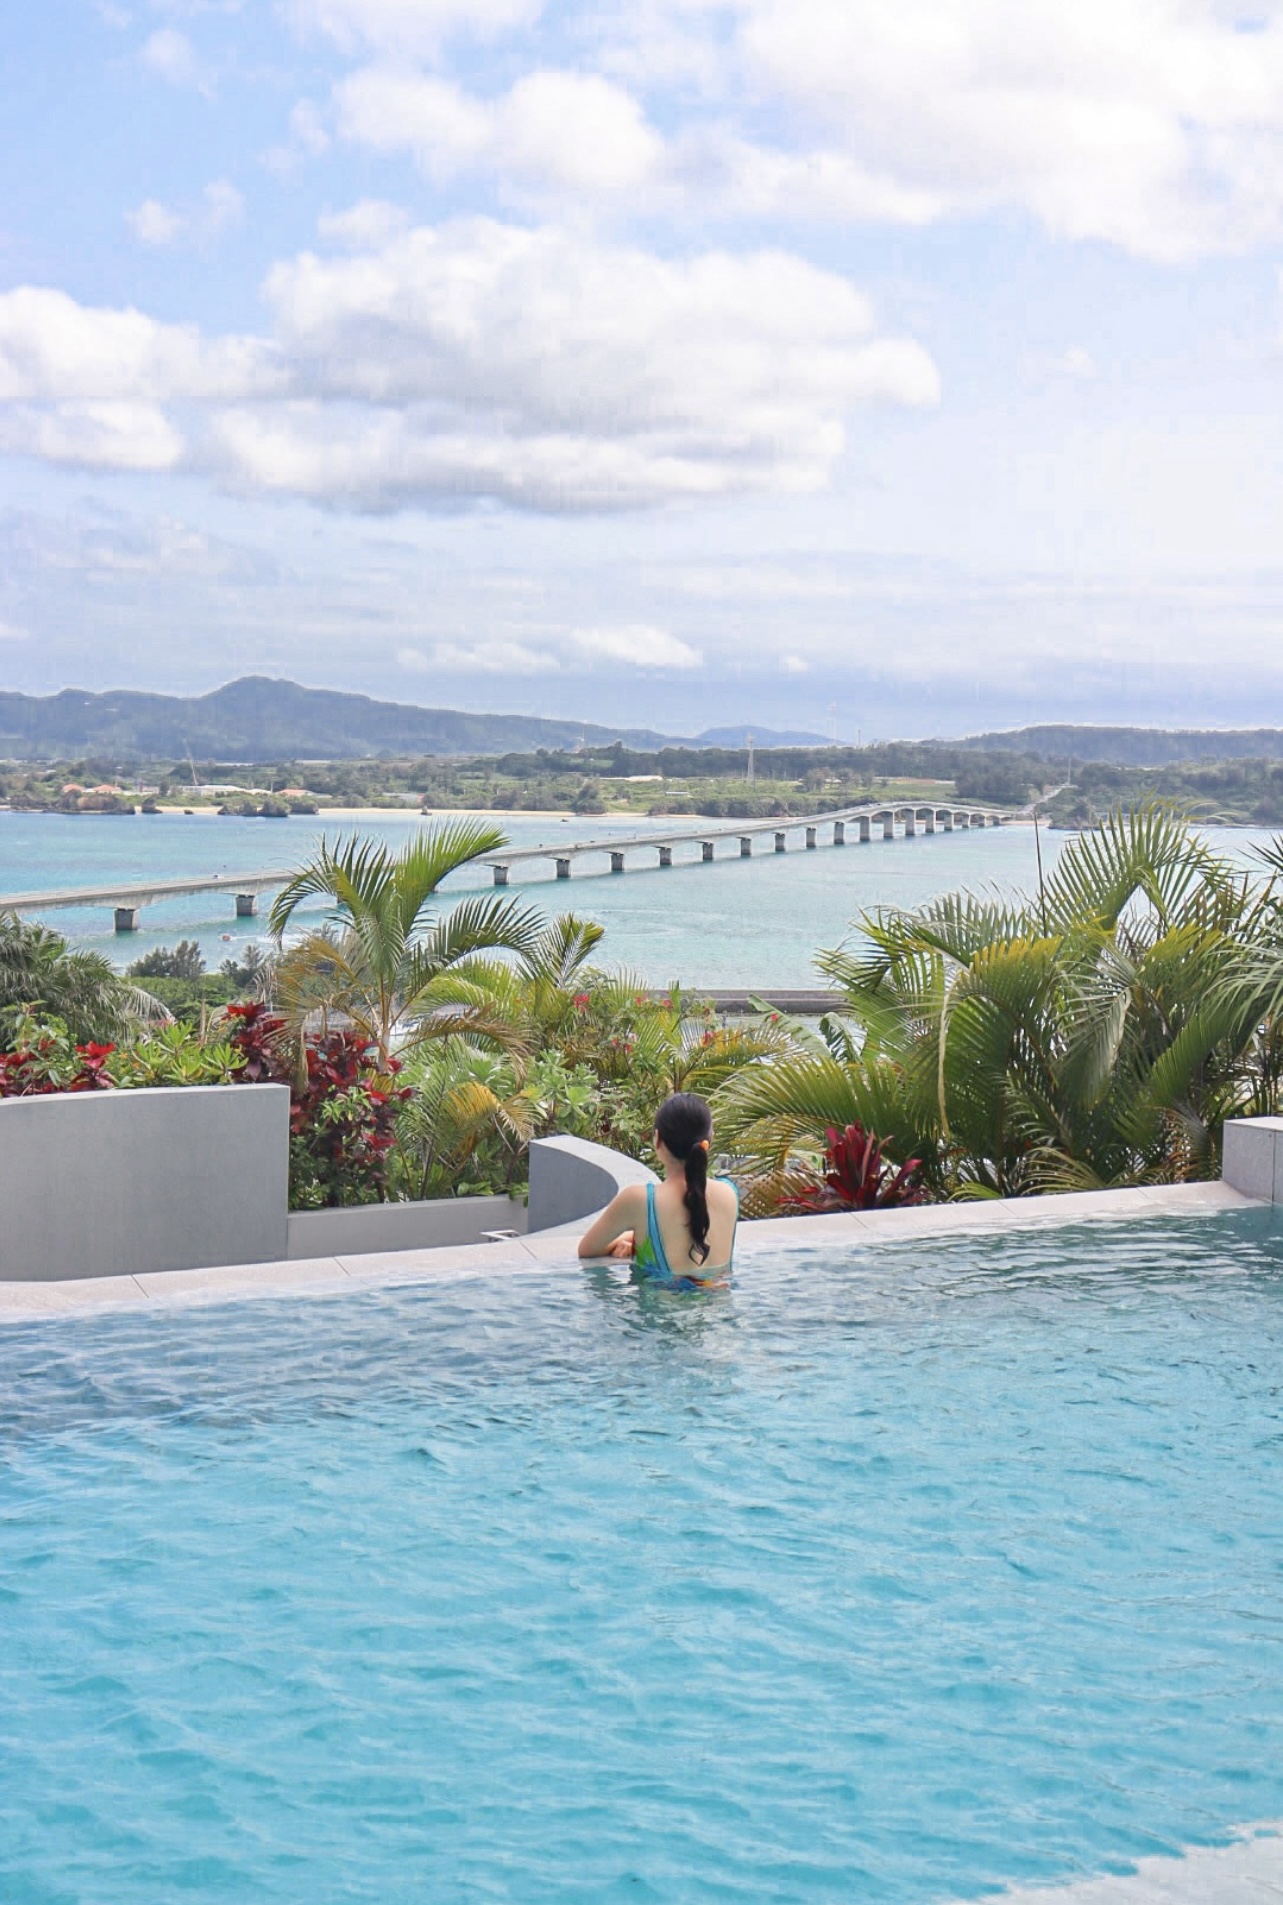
(808, 362)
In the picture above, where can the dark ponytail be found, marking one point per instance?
(685, 1124)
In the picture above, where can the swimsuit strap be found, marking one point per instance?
(653, 1232)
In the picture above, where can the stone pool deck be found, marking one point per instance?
(327, 1276)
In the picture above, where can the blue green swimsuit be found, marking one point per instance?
(651, 1259)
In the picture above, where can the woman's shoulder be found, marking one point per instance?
(723, 1188)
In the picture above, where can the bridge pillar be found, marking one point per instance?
(246, 905)
(866, 830)
(746, 846)
(839, 833)
(563, 869)
(810, 836)
(910, 827)
(995, 820)
(706, 848)
(126, 919)
(501, 876)
(977, 820)
(929, 823)
(779, 843)
(888, 826)
(616, 862)
(946, 822)
(665, 856)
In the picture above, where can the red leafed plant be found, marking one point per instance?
(44, 1061)
(342, 1111)
(857, 1177)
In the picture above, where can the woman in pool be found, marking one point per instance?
(679, 1233)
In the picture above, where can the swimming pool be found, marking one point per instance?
(944, 1567)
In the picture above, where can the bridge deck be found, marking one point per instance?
(144, 894)
(694, 833)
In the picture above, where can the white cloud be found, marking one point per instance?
(171, 56)
(309, 138)
(365, 226)
(639, 646)
(155, 224)
(221, 206)
(480, 360)
(1077, 362)
(1152, 125)
(55, 350)
(794, 665)
(1155, 125)
(115, 436)
(570, 131)
(485, 658)
(409, 26)
(9, 632)
(557, 133)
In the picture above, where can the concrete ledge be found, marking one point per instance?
(1252, 1157)
(554, 1250)
(111, 1183)
(379, 1228)
(571, 1179)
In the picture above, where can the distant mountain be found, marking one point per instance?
(1135, 747)
(257, 719)
(762, 737)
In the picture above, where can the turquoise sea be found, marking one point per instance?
(734, 923)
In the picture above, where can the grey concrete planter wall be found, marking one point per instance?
(570, 1179)
(113, 1183)
(118, 1183)
(364, 1228)
(1252, 1157)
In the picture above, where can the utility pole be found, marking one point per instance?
(749, 776)
(833, 722)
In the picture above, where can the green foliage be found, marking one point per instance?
(1098, 1037)
(167, 1055)
(38, 970)
(384, 946)
(183, 961)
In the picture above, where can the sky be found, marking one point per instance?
(867, 368)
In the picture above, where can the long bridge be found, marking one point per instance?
(910, 818)
(126, 900)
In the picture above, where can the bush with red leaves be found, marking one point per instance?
(857, 1177)
(342, 1111)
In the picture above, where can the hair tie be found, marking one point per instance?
(701, 1146)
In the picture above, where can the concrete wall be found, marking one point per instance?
(1252, 1157)
(570, 1179)
(112, 1183)
(424, 1226)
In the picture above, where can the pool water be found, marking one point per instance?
(901, 1576)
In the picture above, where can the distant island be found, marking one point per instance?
(260, 719)
(1131, 747)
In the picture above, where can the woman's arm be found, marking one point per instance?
(625, 1212)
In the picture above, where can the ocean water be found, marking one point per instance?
(734, 923)
(902, 1575)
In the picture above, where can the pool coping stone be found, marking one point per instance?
(328, 1276)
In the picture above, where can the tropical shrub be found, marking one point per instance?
(43, 1056)
(183, 961)
(1098, 1035)
(38, 971)
(343, 1105)
(856, 1176)
(383, 947)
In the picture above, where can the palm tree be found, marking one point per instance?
(82, 988)
(384, 946)
(1096, 1038)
